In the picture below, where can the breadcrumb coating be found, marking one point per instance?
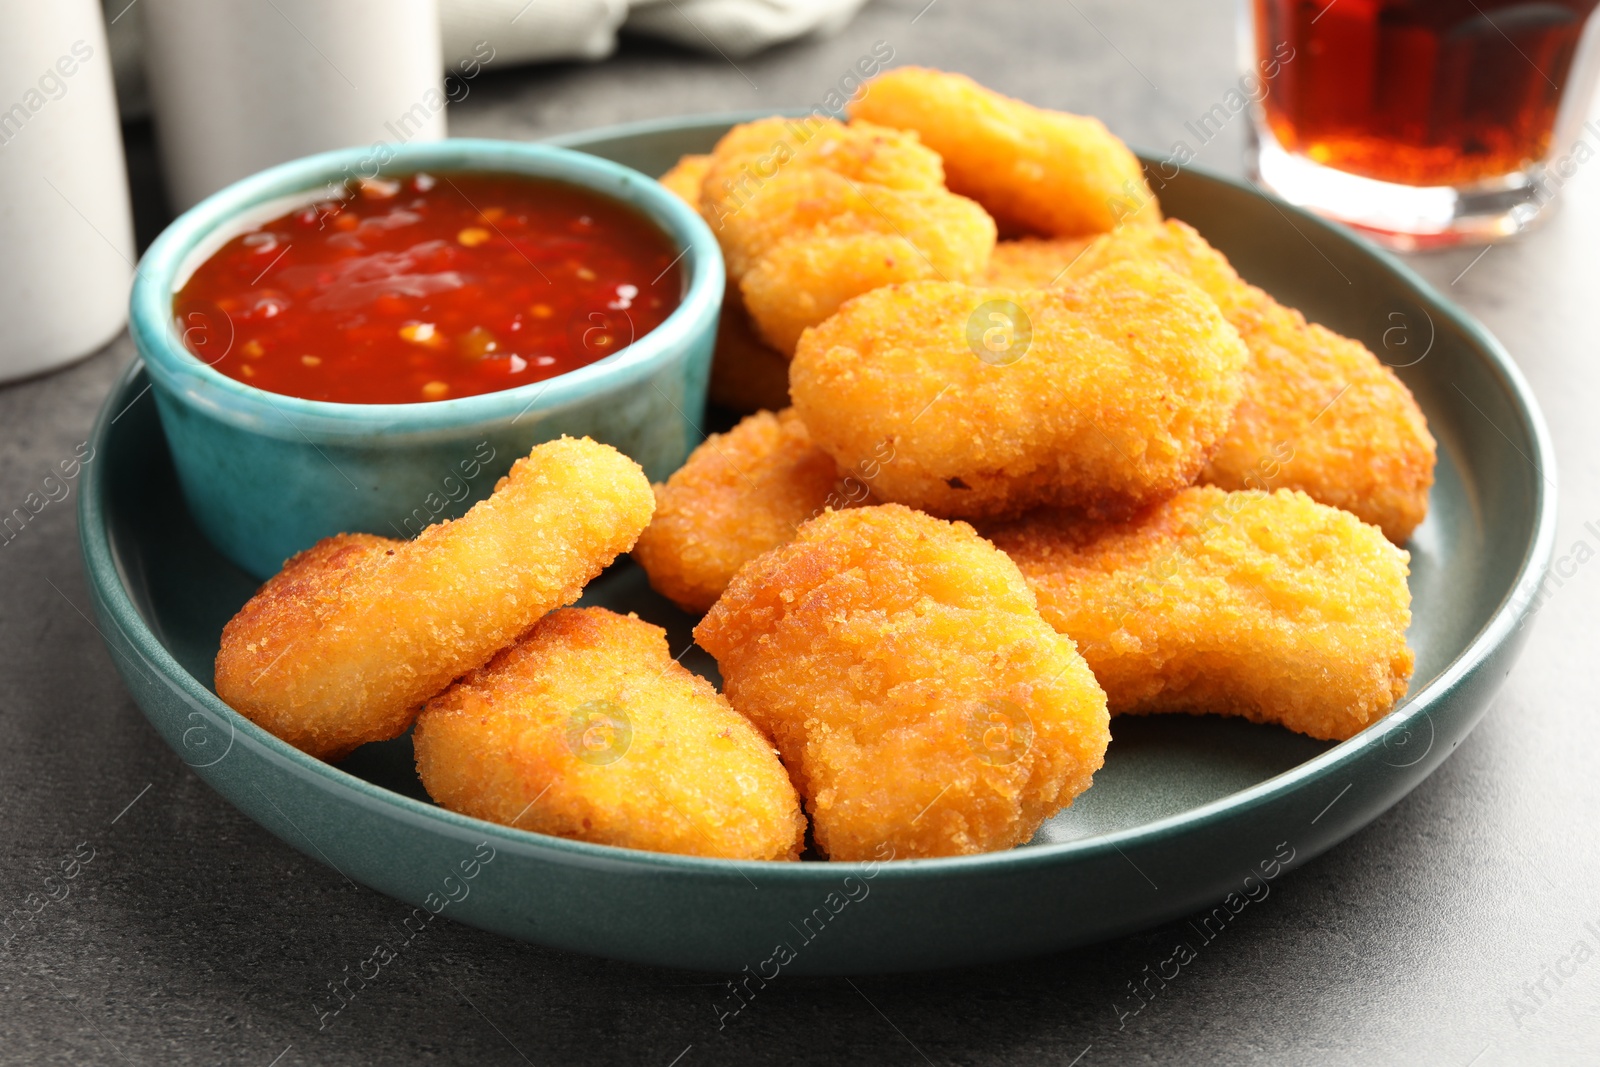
(1125, 384)
(587, 728)
(752, 153)
(1340, 424)
(812, 239)
(738, 495)
(801, 283)
(344, 645)
(746, 373)
(913, 691)
(1343, 427)
(1034, 170)
(1264, 605)
(1033, 262)
(944, 233)
(685, 178)
(811, 212)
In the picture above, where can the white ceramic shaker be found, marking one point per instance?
(239, 85)
(66, 231)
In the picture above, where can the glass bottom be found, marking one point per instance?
(1405, 218)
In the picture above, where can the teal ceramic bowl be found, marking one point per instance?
(1189, 813)
(266, 475)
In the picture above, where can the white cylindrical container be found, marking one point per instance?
(244, 84)
(66, 232)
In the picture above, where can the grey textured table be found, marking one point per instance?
(195, 937)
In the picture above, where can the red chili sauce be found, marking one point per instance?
(428, 287)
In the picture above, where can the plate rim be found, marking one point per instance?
(111, 586)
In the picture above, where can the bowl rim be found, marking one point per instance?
(200, 385)
(1510, 613)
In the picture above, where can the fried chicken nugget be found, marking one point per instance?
(914, 692)
(1102, 395)
(587, 728)
(347, 641)
(1035, 171)
(1317, 407)
(811, 212)
(746, 374)
(942, 232)
(812, 239)
(1268, 606)
(1033, 262)
(738, 495)
(752, 153)
(685, 178)
(756, 161)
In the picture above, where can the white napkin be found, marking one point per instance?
(523, 31)
(738, 27)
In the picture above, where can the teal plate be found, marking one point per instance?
(1186, 811)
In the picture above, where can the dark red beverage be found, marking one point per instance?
(1420, 92)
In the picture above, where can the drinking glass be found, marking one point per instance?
(1423, 123)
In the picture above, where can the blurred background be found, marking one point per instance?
(608, 65)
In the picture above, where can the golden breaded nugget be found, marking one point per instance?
(281, 614)
(587, 728)
(1332, 420)
(746, 374)
(1035, 171)
(1265, 605)
(1369, 453)
(740, 494)
(810, 213)
(916, 696)
(952, 234)
(1102, 395)
(344, 645)
(813, 239)
(1319, 413)
(753, 153)
(1176, 246)
(800, 283)
(1318, 409)
(685, 178)
(1033, 262)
